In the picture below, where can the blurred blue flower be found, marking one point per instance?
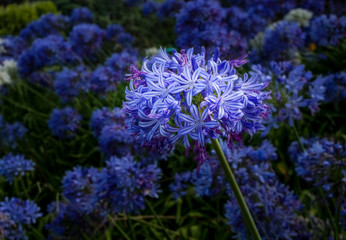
(81, 15)
(11, 133)
(86, 39)
(69, 83)
(15, 214)
(12, 166)
(321, 163)
(124, 184)
(47, 24)
(327, 30)
(64, 123)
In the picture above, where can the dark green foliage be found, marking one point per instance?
(15, 17)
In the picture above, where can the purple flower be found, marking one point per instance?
(186, 97)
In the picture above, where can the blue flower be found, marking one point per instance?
(124, 184)
(12, 166)
(327, 30)
(175, 98)
(52, 50)
(86, 39)
(48, 24)
(179, 185)
(11, 133)
(81, 15)
(64, 122)
(15, 214)
(69, 83)
(321, 163)
(77, 188)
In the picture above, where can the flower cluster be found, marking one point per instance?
(69, 83)
(15, 214)
(123, 184)
(86, 39)
(335, 85)
(11, 133)
(64, 122)
(81, 15)
(327, 30)
(48, 24)
(289, 84)
(322, 163)
(202, 23)
(120, 187)
(281, 41)
(12, 166)
(44, 52)
(110, 128)
(186, 97)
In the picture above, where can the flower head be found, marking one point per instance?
(186, 97)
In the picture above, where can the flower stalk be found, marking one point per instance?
(249, 222)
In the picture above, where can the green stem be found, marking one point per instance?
(158, 219)
(249, 222)
(330, 216)
(298, 138)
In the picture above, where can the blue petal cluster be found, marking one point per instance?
(281, 41)
(44, 52)
(109, 126)
(185, 97)
(322, 162)
(327, 30)
(124, 184)
(202, 23)
(81, 15)
(293, 89)
(64, 123)
(12, 166)
(47, 24)
(10, 133)
(69, 83)
(15, 214)
(86, 39)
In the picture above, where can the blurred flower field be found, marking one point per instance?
(109, 116)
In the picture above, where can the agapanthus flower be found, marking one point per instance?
(18, 213)
(11, 47)
(52, 50)
(169, 8)
(327, 30)
(335, 85)
(293, 89)
(10, 133)
(81, 15)
(69, 83)
(78, 190)
(150, 7)
(321, 163)
(282, 40)
(47, 24)
(124, 184)
(86, 39)
(185, 97)
(12, 166)
(64, 122)
(180, 184)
